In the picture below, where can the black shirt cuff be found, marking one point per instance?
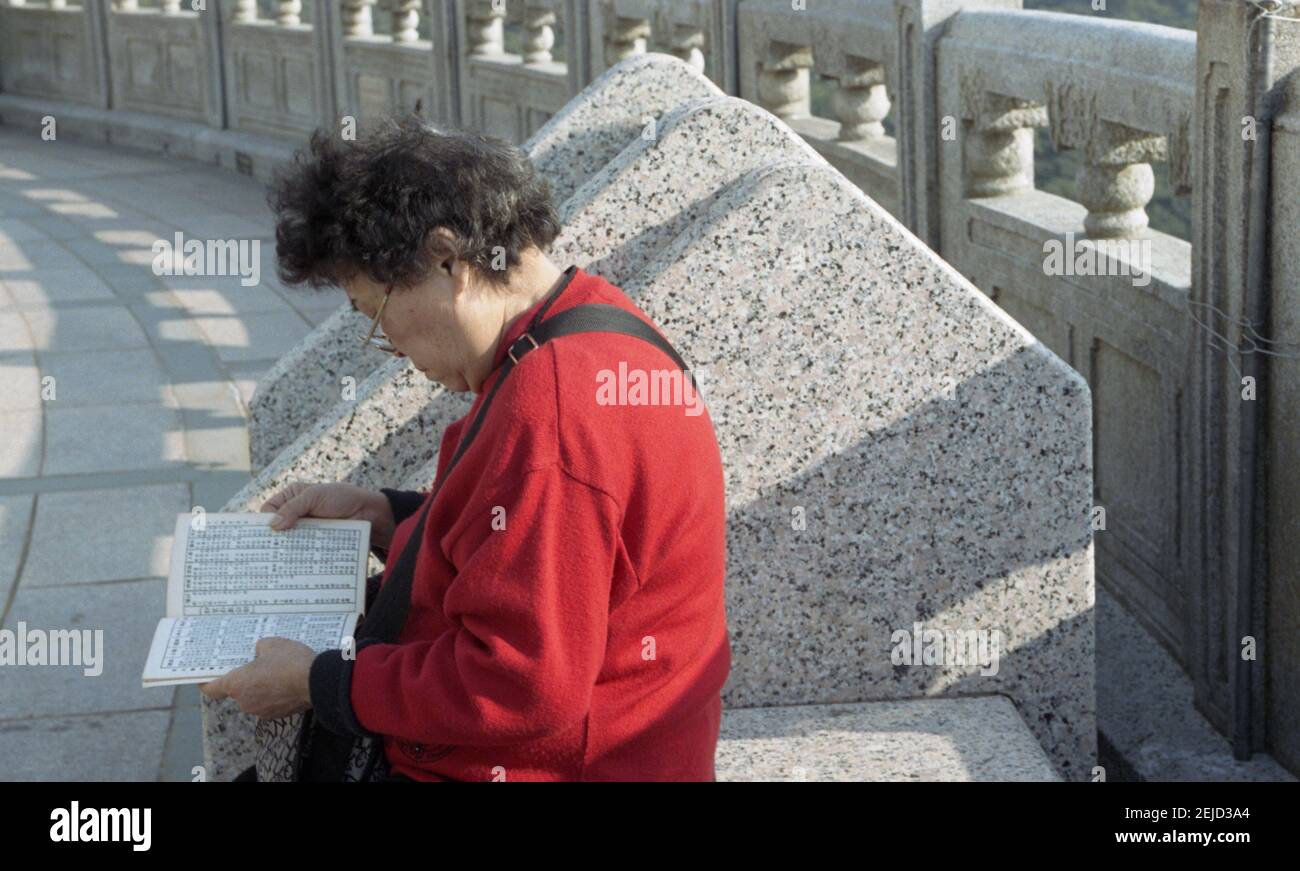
(331, 693)
(403, 504)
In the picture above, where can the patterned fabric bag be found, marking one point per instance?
(284, 745)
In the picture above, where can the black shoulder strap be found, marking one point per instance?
(388, 612)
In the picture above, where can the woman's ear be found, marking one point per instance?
(442, 254)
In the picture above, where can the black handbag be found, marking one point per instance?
(298, 747)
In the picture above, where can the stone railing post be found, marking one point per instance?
(484, 28)
(357, 19)
(1283, 454)
(406, 20)
(97, 12)
(783, 80)
(1243, 59)
(688, 44)
(861, 103)
(539, 35)
(626, 37)
(1115, 181)
(1000, 144)
(918, 127)
(288, 12)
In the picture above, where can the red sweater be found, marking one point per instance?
(567, 618)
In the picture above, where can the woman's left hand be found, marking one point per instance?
(275, 684)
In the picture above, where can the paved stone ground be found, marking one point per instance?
(151, 376)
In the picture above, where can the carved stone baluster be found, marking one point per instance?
(406, 20)
(356, 18)
(539, 37)
(861, 102)
(783, 80)
(288, 12)
(688, 44)
(125, 5)
(57, 4)
(625, 38)
(1000, 148)
(484, 27)
(245, 10)
(1115, 182)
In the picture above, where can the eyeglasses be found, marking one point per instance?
(379, 341)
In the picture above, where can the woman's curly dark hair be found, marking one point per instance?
(367, 205)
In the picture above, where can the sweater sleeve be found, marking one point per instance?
(530, 606)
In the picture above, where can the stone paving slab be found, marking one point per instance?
(20, 443)
(152, 377)
(15, 517)
(96, 747)
(126, 611)
(123, 532)
(111, 438)
(105, 377)
(88, 328)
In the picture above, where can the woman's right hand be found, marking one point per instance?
(334, 501)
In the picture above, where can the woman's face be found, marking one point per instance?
(443, 324)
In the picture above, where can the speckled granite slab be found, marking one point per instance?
(621, 218)
(581, 138)
(980, 738)
(898, 451)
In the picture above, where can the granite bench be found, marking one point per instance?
(919, 463)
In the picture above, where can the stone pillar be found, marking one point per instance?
(624, 38)
(688, 44)
(861, 103)
(916, 107)
(406, 20)
(1115, 181)
(484, 28)
(1283, 429)
(356, 18)
(97, 12)
(288, 12)
(1242, 56)
(1000, 145)
(783, 80)
(539, 37)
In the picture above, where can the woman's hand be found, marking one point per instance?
(277, 683)
(334, 501)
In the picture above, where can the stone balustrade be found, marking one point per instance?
(934, 110)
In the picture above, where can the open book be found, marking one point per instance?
(235, 580)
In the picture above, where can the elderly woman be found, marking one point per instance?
(557, 610)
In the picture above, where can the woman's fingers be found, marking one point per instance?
(283, 495)
(298, 505)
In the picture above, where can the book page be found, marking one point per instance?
(199, 649)
(236, 564)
